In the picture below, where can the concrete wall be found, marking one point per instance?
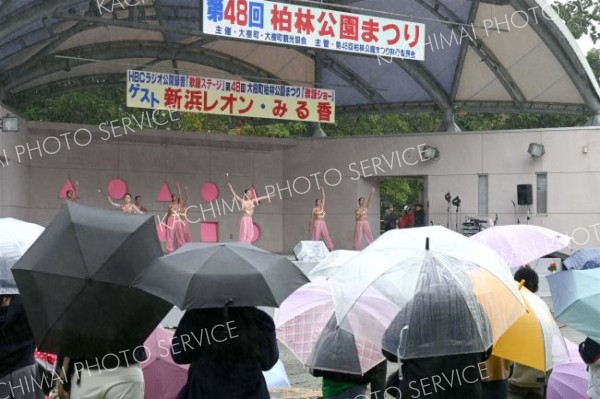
(29, 189)
(145, 160)
(14, 176)
(573, 177)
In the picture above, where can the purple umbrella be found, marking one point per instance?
(521, 244)
(569, 380)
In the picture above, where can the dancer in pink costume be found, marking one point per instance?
(317, 225)
(73, 196)
(127, 207)
(181, 228)
(247, 204)
(169, 226)
(362, 224)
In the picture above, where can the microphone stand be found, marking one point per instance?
(515, 212)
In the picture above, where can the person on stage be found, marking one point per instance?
(317, 226)
(138, 203)
(127, 207)
(362, 227)
(247, 204)
(181, 228)
(72, 195)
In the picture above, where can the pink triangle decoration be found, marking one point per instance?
(164, 194)
(66, 187)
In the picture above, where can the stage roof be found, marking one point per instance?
(481, 56)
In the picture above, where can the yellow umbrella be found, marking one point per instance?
(534, 340)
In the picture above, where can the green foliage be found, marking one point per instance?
(86, 106)
(398, 192)
(379, 124)
(582, 17)
(593, 58)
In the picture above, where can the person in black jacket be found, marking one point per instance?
(419, 217)
(228, 349)
(19, 376)
(456, 376)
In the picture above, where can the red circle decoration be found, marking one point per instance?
(209, 191)
(256, 233)
(117, 188)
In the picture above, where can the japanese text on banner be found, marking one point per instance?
(295, 25)
(155, 90)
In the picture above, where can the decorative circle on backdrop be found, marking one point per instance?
(209, 191)
(117, 188)
(256, 233)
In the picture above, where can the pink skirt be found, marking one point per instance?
(181, 233)
(246, 229)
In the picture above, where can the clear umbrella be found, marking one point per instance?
(16, 236)
(458, 297)
(331, 263)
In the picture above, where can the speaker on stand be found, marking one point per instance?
(525, 197)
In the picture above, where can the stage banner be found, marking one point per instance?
(155, 90)
(294, 25)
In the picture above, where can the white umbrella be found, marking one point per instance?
(16, 236)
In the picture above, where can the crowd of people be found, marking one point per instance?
(409, 217)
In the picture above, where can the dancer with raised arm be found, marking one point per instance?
(362, 224)
(247, 204)
(127, 207)
(317, 226)
(181, 228)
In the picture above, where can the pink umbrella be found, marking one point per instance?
(306, 324)
(163, 377)
(520, 244)
(569, 380)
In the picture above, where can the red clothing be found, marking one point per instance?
(406, 220)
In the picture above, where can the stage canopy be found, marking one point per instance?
(481, 56)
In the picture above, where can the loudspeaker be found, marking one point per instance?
(524, 194)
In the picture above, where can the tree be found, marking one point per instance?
(593, 58)
(582, 17)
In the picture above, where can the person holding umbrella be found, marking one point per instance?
(17, 347)
(229, 362)
(442, 301)
(527, 382)
(589, 350)
(18, 369)
(338, 385)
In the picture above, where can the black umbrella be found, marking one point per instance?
(200, 275)
(75, 282)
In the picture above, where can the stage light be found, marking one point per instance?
(536, 150)
(430, 152)
(9, 124)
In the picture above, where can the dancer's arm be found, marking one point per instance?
(112, 202)
(264, 197)
(322, 198)
(370, 196)
(237, 197)
(136, 209)
(184, 198)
